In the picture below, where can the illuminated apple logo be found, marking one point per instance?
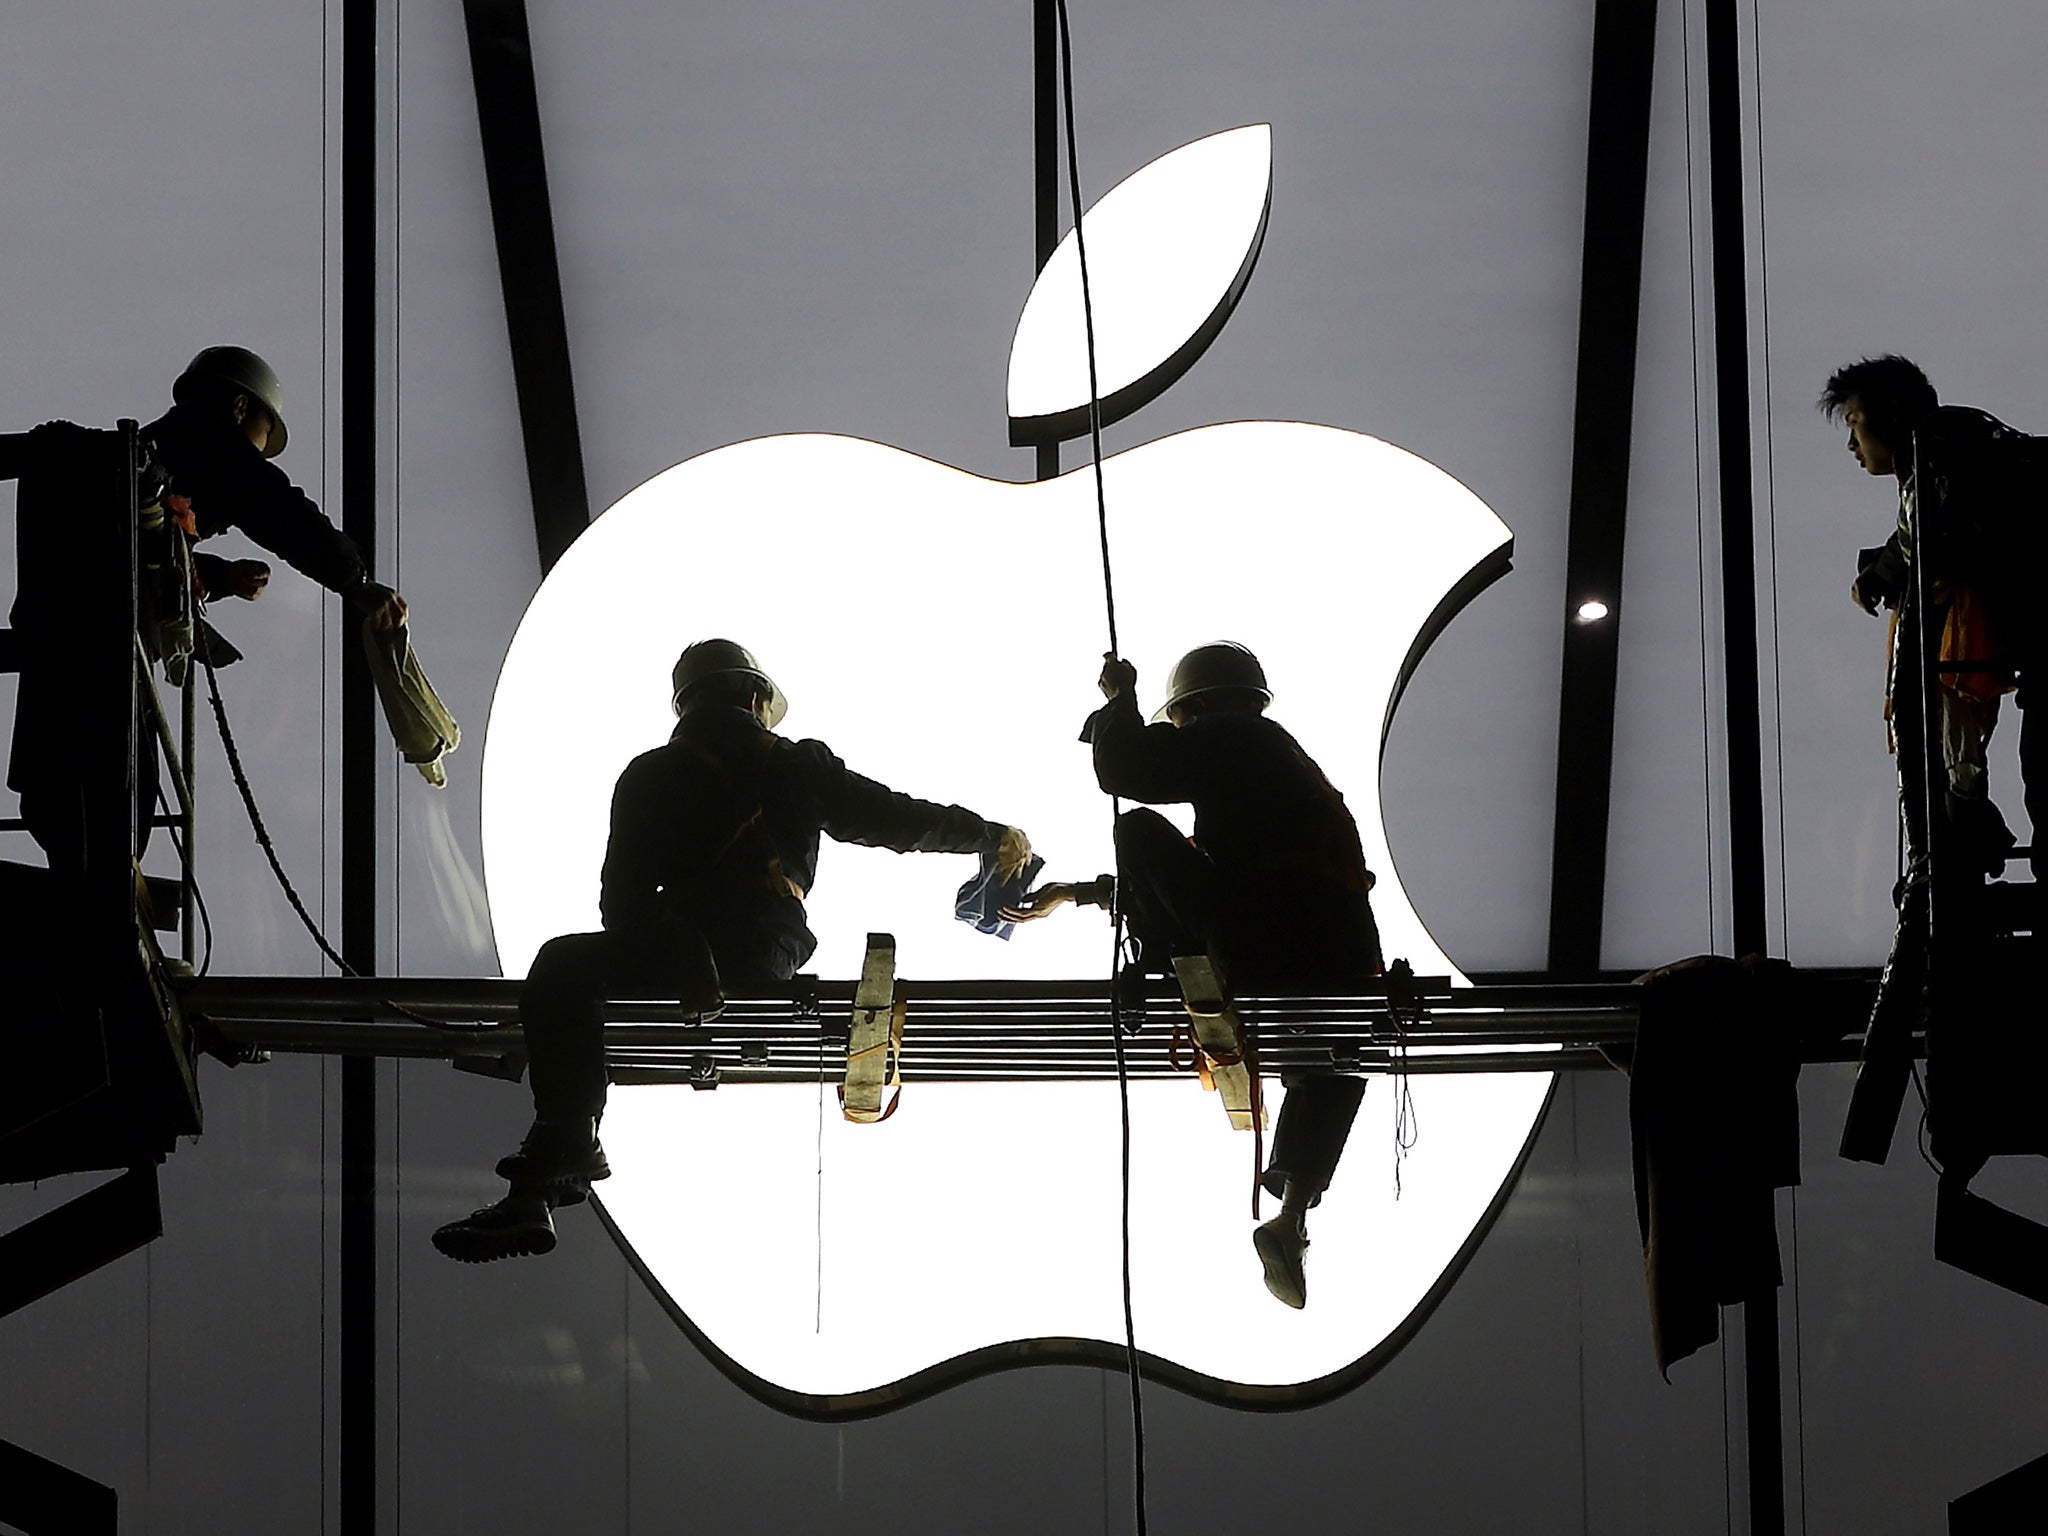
(942, 632)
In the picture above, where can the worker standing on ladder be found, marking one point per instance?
(714, 844)
(1273, 887)
(1984, 595)
(207, 469)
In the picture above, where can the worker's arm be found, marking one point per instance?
(230, 484)
(630, 888)
(14, 455)
(856, 809)
(1881, 575)
(1136, 761)
(229, 578)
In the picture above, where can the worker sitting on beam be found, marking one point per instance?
(207, 468)
(1272, 888)
(714, 843)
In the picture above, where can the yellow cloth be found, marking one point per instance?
(420, 724)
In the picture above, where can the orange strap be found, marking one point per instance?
(893, 1045)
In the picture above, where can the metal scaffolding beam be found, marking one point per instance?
(964, 1031)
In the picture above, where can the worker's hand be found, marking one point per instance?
(384, 608)
(1013, 852)
(1867, 601)
(1118, 676)
(247, 578)
(1046, 899)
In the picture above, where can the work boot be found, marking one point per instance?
(1982, 837)
(562, 1158)
(1282, 1245)
(516, 1225)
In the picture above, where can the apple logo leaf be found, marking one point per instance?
(1170, 249)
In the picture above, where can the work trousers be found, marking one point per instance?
(561, 1007)
(1964, 726)
(1176, 901)
(2032, 700)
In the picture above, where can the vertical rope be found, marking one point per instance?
(1116, 1032)
(818, 1206)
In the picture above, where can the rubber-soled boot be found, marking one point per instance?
(562, 1158)
(515, 1226)
(1283, 1248)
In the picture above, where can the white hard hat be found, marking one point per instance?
(1210, 668)
(245, 373)
(707, 659)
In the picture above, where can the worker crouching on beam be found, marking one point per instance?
(1273, 886)
(714, 843)
(207, 468)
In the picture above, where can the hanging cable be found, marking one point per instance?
(191, 879)
(1116, 916)
(256, 823)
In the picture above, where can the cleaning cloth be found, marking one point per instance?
(420, 724)
(982, 899)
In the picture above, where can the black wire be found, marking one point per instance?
(1116, 1032)
(191, 879)
(291, 894)
(1087, 320)
(1920, 1133)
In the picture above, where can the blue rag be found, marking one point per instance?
(982, 899)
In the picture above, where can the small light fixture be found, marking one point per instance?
(1591, 611)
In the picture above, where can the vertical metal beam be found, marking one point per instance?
(1728, 215)
(523, 222)
(358, 1270)
(1045, 161)
(1610, 304)
(1738, 513)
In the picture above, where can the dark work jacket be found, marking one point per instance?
(722, 826)
(1945, 435)
(66, 520)
(1281, 838)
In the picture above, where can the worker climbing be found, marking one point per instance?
(714, 845)
(207, 469)
(1272, 889)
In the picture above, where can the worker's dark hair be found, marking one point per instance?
(1893, 391)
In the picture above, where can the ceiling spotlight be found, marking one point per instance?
(1591, 611)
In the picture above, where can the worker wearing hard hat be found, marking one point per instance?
(207, 469)
(1273, 887)
(714, 844)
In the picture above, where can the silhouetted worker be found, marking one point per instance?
(1273, 887)
(1983, 596)
(207, 469)
(714, 843)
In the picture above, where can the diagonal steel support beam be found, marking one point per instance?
(40, 1498)
(105, 1223)
(1610, 304)
(522, 218)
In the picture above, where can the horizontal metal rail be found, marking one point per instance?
(965, 1031)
